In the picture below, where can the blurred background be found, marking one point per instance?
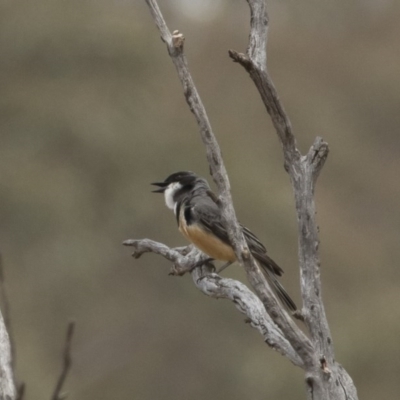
(91, 112)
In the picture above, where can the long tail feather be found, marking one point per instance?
(278, 288)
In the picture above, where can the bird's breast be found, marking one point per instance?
(206, 241)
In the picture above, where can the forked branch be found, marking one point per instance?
(303, 172)
(174, 44)
(323, 375)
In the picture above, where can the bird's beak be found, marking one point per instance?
(163, 187)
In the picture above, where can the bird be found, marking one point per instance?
(199, 219)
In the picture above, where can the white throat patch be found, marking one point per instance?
(169, 194)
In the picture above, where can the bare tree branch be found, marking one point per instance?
(323, 375)
(183, 259)
(57, 395)
(218, 287)
(20, 391)
(303, 171)
(257, 47)
(175, 48)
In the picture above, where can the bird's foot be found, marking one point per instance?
(202, 262)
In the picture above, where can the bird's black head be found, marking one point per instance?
(178, 185)
(184, 178)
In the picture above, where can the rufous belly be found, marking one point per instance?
(207, 243)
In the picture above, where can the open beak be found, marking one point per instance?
(163, 187)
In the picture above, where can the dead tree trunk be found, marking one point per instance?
(325, 378)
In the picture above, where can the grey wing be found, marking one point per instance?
(206, 212)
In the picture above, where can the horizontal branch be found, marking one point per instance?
(213, 285)
(184, 259)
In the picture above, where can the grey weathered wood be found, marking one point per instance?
(175, 44)
(325, 378)
(7, 388)
(213, 285)
(303, 172)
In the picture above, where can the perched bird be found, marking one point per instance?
(199, 220)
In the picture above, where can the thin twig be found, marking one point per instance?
(57, 395)
(20, 391)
